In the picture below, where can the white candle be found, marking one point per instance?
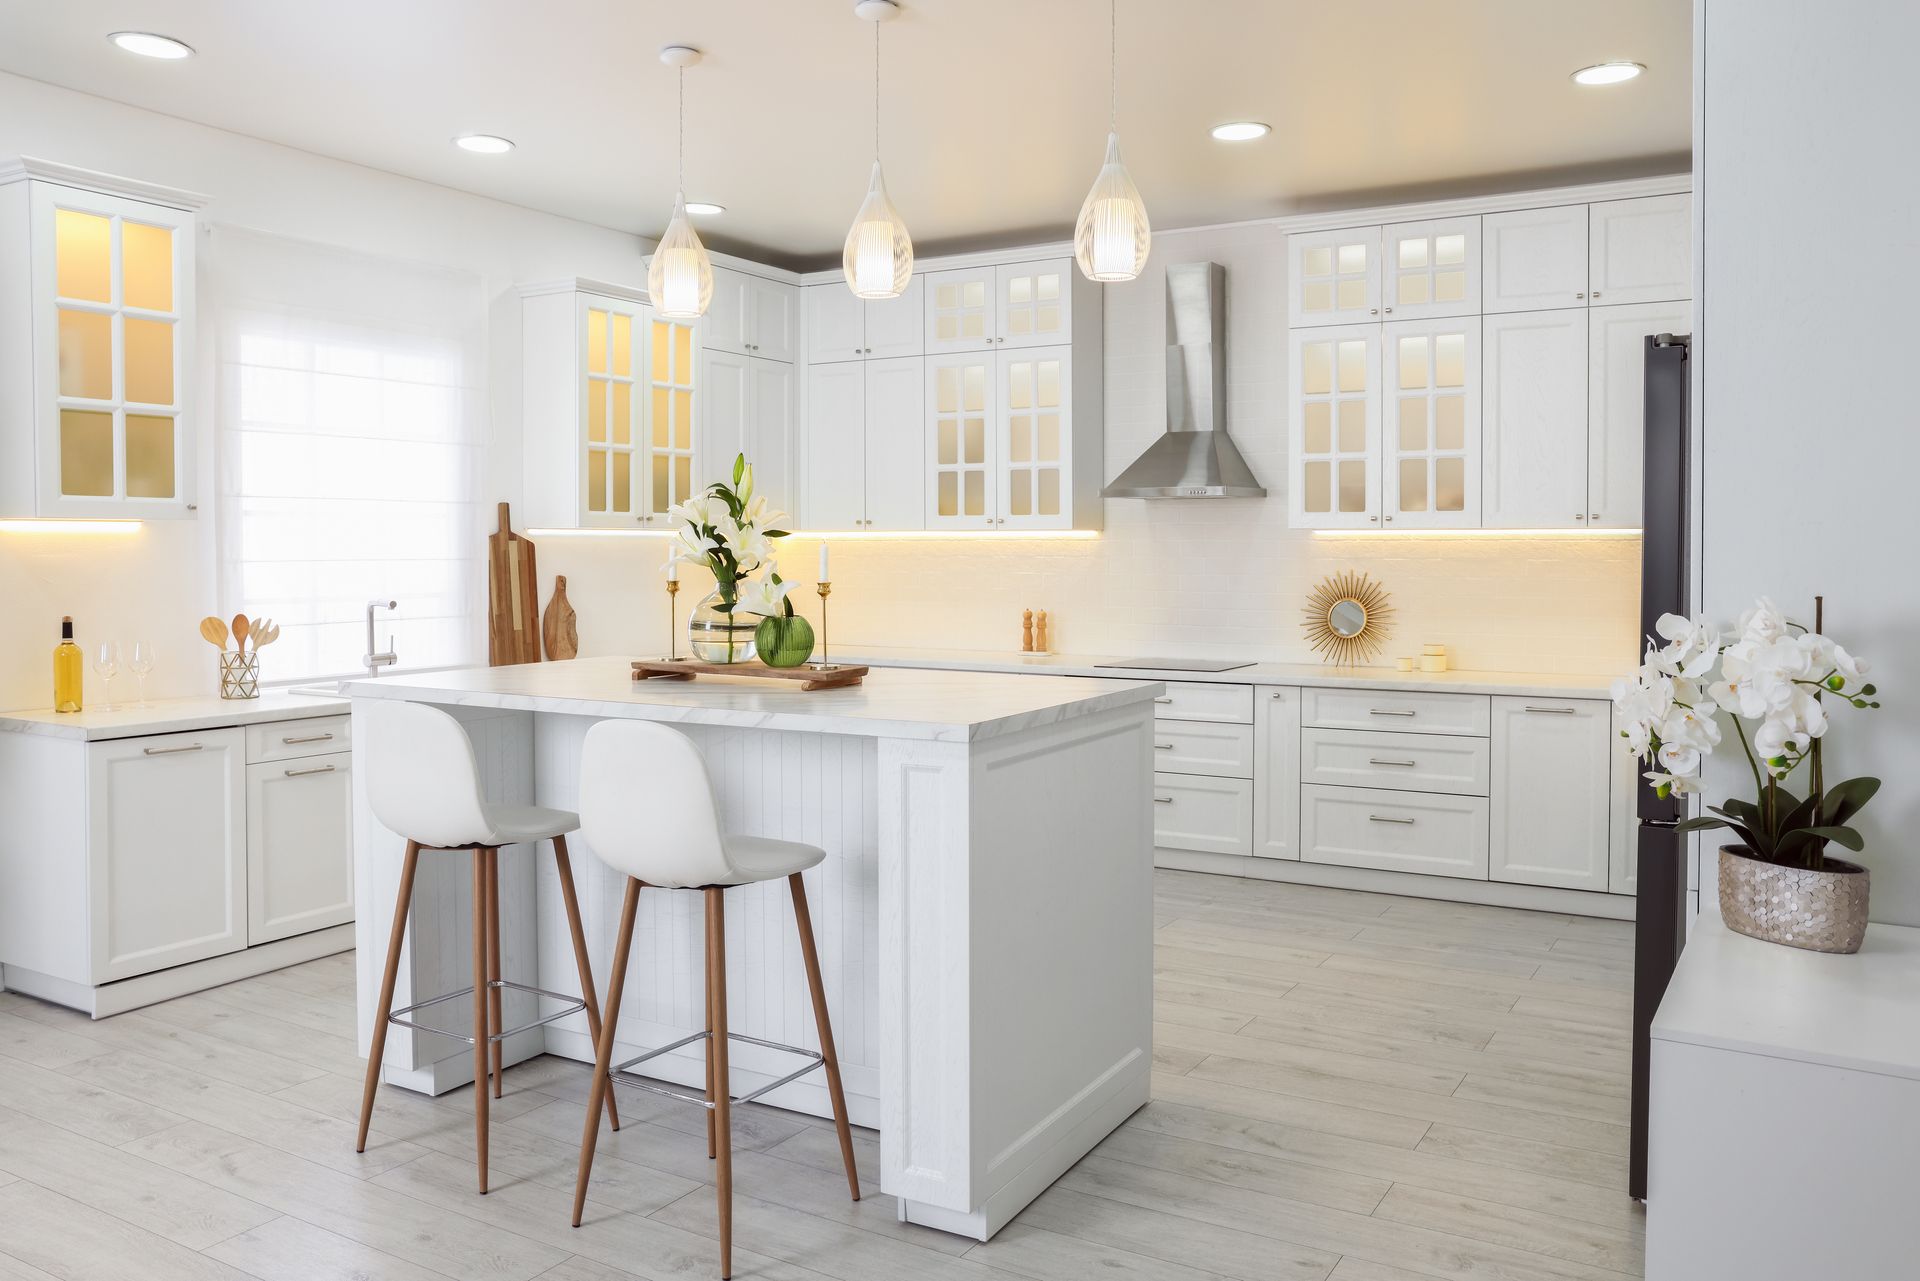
(823, 564)
(673, 566)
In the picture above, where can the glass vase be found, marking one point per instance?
(717, 635)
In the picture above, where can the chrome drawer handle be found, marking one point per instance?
(318, 769)
(1163, 747)
(1163, 800)
(1163, 700)
(1378, 711)
(1375, 818)
(309, 738)
(169, 751)
(1557, 711)
(1375, 760)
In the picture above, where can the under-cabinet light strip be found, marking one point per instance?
(1476, 533)
(836, 535)
(69, 526)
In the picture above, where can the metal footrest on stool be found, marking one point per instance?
(573, 1003)
(813, 1057)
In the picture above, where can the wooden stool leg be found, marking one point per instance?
(804, 920)
(494, 995)
(378, 1051)
(580, 959)
(603, 1056)
(712, 1140)
(480, 1012)
(722, 1081)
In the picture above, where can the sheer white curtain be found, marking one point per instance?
(350, 410)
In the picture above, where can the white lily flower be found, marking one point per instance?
(763, 596)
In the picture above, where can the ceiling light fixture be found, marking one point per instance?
(878, 258)
(484, 144)
(704, 208)
(1241, 131)
(1607, 73)
(1111, 236)
(149, 45)
(680, 276)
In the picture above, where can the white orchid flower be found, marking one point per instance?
(1764, 623)
(1691, 648)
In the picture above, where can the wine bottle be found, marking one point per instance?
(67, 666)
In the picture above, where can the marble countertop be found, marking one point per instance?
(170, 716)
(950, 706)
(1533, 684)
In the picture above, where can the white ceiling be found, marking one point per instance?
(995, 110)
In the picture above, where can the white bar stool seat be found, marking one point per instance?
(423, 785)
(647, 809)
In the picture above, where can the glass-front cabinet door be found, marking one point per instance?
(1431, 268)
(1034, 439)
(613, 333)
(1033, 303)
(1335, 277)
(113, 305)
(1334, 420)
(670, 413)
(961, 404)
(960, 310)
(1430, 435)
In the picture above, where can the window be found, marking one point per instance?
(349, 434)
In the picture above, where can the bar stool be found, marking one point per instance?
(647, 809)
(423, 785)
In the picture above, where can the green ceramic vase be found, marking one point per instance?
(784, 641)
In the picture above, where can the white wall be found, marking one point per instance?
(158, 582)
(1811, 232)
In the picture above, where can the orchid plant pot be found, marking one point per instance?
(1821, 911)
(720, 633)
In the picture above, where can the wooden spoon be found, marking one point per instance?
(240, 633)
(214, 631)
(266, 632)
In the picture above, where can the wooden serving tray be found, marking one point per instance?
(838, 676)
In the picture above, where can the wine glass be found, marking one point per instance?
(106, 665)
(142, 666)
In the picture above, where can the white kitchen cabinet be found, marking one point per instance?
(1002, 446)
(1616, 405)
(1035, 303)
(1206, 701)
(299, 845)
(1034, 446)
(1334, 421)
(897, 326)
(748, 406)
(1335, 277)
(962, 402)
(1551, 776)
(1276, 777)
(1435, 835)
(1534, 259)
(841, 326)
(1395, 761)
(960, 310)
(1431, 268)
(865, 458)
(1024, 304)
(1641, 250)
(1203, 747)
(1204, 813)
(96, 346)
(1534, 426)
(896, 444)
(751, 315)
(166, 850)
(1430, 436)
(729, 315)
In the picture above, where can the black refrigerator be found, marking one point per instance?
(1660, 929)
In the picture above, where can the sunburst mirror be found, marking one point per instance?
(1347, 618)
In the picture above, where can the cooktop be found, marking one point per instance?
(1180, 664)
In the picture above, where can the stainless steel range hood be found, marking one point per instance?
(1195, 458)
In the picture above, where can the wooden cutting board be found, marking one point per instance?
(558, 626)
(513, 618)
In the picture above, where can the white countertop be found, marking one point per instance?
(1731, 992)
(1538, 685)
(169, 716)
(951, 706)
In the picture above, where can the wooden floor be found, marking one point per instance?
(1348, 1085)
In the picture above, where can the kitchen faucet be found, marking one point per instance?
(388, 658)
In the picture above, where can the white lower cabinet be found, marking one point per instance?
(1199, 812)
(1196, 747)
(299, 845)
(1276, 761)
(1393, 831)
(1402, 762)
(166, 850)
(1551, 782)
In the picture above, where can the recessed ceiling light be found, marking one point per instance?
(704, 208)
(486, 144)
(1241, 131)
(148, 45)
(1607, 73)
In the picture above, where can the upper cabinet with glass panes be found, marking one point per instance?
(95, 420)
(1402, 271)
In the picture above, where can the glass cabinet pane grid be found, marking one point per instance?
(672, 401)
(960, 424)
(1333, 401)
(1428, 434)
(1333, 277)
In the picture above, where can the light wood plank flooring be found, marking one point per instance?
(1348, 1086)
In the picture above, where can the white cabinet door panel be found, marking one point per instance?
(1534, 420)
(1033, 439)
(960, 414)
(836, 464)
(1203, 747)
(770, 435)
(1335, 277)
(960, 310)
(1398, 762)
(1430, 429)
(836, 323)
(896, 453)
(166, 841)
(1535, 259)
(1616, 405)
(1431, 268)
(1552, 784)
(898, 326)
(1641, 250)
(299, 846)
(1194, 812)
(1394, 831)
(1276, 785)
(726, 414)
(1334, 412)
(773, 312)
(729, 319)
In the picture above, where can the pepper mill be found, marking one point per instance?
(1040, 634)
(1026, 631)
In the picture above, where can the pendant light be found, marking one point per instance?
(680, 276)
(878, 260)
(1111, 237)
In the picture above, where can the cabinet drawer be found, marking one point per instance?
(1205, 701)
(1203, 747)
(1394, 831)
(1399, 762)
(284, 740)
(1400, 711)
(1194, 812)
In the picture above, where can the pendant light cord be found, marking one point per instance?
(683, 131)
(1113, 66)
(876, 93)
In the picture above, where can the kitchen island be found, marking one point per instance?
(984, 914)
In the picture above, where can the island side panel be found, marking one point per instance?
(817, 788)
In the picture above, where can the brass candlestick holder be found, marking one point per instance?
(673, 618)
(824, 589)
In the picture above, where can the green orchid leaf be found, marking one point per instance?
(1839, 836)
(1844, 800)
(1700, 824)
